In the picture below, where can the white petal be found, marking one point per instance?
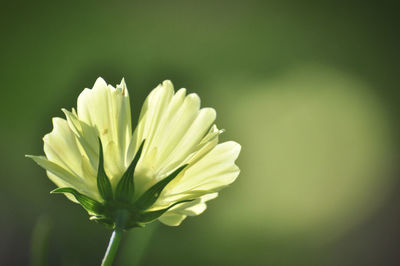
(214, 171)
(172, 219)
(86, 137)
(189, 141)
(152, 110)
(107, 109)
(61, 148)
(63, 178)
(173, 127)
(206, 145)
(195, 207)
(176, 215)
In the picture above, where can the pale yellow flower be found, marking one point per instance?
(180, 144)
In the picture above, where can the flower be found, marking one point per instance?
(167, 169)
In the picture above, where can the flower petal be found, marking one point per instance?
(176, 215)
(107, 109)
(214, 171)
(195, 207)
(63, 178)
(60, 147)
(153, 110)
(173, 126)
(86, 136)
(189, 141)
(172, 219)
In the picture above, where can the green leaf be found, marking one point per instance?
(151, 195)
(152, 215)
(88, 203)
(125, 188)
(103, 183)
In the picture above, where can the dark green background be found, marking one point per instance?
(230, 53)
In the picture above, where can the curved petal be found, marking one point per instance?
(195, 207)
(71, 147)
(61, 148)
(172, 219)
(107, 110)
(173, 126)
(63, 178)
(176, 215)
(214, 171)
(86, 137)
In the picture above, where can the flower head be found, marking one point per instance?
(166, 170)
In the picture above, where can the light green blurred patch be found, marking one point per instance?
(40, 241)
(317, 148)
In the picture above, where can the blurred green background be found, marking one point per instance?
(310, 89)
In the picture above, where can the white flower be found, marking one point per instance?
(180, 142)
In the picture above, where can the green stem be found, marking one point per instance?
(115, 239)
(112, 247)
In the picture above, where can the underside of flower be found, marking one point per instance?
(166, 169)
(122, 201)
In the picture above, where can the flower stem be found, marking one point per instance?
(112, 247)
(115, 239)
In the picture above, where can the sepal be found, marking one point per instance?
(103, 220)
(86, 202)
(103, 182)
(125, 188)
(151, 195)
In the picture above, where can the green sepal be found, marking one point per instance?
(103, 220)
(103, 183)
(146, 217)
(125, 188)
(86, 202)
(151, 195)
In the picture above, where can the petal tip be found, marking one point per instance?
(167, 83)
(99, 83)
(193, 98)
